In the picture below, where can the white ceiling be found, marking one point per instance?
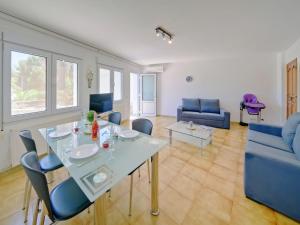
(202, 28)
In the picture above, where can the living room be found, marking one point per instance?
(177, 76)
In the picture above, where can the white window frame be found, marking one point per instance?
(112, 82)
(56, 57)
(8, 48)
(50, 82)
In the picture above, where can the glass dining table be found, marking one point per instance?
(100, 172)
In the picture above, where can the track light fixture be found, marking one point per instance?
(165, 34)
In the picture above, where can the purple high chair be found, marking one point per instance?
(253, 107)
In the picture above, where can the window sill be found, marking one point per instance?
(39, 115)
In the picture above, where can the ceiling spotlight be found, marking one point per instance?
(165, 34)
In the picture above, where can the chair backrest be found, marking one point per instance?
(142, 125)
(115, 118)
(37, 178)
(250, 98)
(27, 140)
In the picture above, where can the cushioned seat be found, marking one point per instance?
(67, 200)
(197, 115)
(268, 140)
(50, 162)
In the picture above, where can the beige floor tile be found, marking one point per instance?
(200, 216)
(194, 173)
(217, 205)
(140, 204)
(174, 163)
(244, 216)
(186, 186)
(223, 187)
(283, 220)
(223, 173)
(148, 219)
(223, 161)
(175, 211)
(201, 163)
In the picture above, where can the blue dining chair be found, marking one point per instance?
(115, 118)
(144, 126)
(47, 163)
(65, 201)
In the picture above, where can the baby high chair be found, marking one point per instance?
(253, 107)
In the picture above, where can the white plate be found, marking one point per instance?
(128, 134)
(102, 123)
(84, 151)
(59, 134)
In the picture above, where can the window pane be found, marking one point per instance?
(117, 86)
(148, 88)
(28, 83)
(104, 81)
(66, 84)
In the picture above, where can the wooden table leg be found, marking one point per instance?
(154, 186)
(100, 210)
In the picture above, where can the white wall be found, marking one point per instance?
(16, 31)
(227, 79)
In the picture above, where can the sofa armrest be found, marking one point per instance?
(226, 115)
(179, 113)
(273, 179)
(265, 128)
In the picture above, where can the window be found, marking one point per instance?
(110, 80)
(66, 84)
(28, 83)
(117, 86)
(38, 83)
(104, 81)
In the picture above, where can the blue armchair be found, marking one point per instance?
(272, 166)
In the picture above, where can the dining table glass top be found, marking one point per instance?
(100, 172)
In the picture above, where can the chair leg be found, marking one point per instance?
(148, 166)
(36, 212)
(139, 172)
(130, 198)
(25, 193)
(27, 203)
(42, 220)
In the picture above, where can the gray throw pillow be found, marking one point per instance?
(191, 104)
(289, 129)
(210, 105)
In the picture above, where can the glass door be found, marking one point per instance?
(148, 94)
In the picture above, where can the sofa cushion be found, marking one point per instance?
(203, 116)
(210, 105)
(268, 140)
(191, 104)
(289, 129)
(296, 143)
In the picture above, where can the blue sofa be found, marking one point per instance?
(203, 111)
(272, 166)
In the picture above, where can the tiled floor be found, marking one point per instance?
(194, 189)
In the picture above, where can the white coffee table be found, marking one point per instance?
(198, 135)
